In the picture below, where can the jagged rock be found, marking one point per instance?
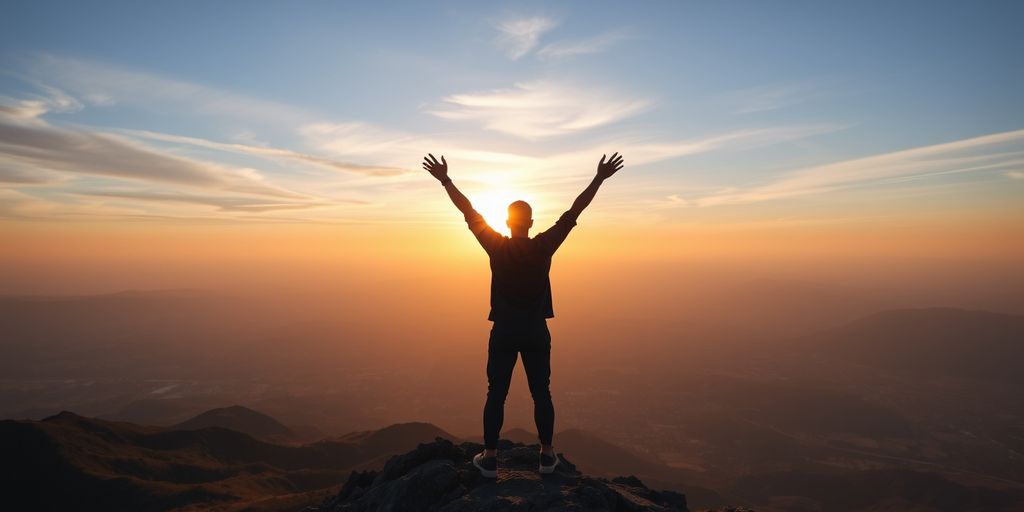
(440, 476)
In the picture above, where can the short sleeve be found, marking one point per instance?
(554, 236)
(484, 234)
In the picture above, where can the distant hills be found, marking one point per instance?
(200, 462)
(121, 466)
(392, 436)
(902, 409)
(241, 419)
(933, 342)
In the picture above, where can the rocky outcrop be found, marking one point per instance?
(440, 476)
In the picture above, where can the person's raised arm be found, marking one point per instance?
(483, 233)
(439, 170)
(554, 236)
(605, 170)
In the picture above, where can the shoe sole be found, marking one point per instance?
(487, 473)
(547, 470)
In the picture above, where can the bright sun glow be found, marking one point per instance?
(494, 206)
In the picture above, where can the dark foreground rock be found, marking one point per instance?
(440, 476)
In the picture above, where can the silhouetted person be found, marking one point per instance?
(520, 307)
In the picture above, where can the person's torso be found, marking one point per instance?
(520, 286)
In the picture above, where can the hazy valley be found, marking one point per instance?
(916, 402)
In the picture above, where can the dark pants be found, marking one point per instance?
(508, 340)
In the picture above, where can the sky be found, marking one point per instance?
(129, 130)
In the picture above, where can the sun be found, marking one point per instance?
(494, 206)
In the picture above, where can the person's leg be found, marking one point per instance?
(501, 359)
(537, 362)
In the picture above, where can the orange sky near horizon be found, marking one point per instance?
(68, 258)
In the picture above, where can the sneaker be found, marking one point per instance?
(548, 463)
(488, 466)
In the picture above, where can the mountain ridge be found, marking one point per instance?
(939, 341)
(115, 465)
(123, 466)
(441, 476)
(241, 419)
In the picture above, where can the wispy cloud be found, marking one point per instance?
(571, 48)
(103, 84)
(272, 152)
(518, 37)
(358, 139)
(764, 98)
(18, 205)
(221, 203)
(737, 140)
(157, 175)
(566, 168)
(993, 152)
(30, 145)
(540, 109)
(1015, 175)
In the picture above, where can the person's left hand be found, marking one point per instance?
(436, 169)
(605, 170)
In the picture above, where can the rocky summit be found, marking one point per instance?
(440, 476)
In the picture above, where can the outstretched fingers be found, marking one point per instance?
(613, 164)
(431, 165)
(615, 159)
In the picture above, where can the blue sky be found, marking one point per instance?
(319, 111)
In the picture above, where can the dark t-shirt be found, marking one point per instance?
(520, 288)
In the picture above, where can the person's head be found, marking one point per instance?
(520, 217)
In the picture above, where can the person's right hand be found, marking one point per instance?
(436, 169)
(605, 170)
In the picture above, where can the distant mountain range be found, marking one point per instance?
(206, 461)
(903, 409)
(67, 460)
(241, 419)
(933, 342)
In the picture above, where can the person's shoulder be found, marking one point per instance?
(540, 240)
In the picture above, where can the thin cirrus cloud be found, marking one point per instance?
(57, 160)
(539, 109)
(735, 140)
(109, 206)
(518, 37)
(997, 152)
(103, 84)
(765, 98)
(566, 167)
(34, 147)
(359, 139)
(221, 203)
(274, 153)
(574, 47)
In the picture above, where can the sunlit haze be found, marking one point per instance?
(864, 128)
(216, 174)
